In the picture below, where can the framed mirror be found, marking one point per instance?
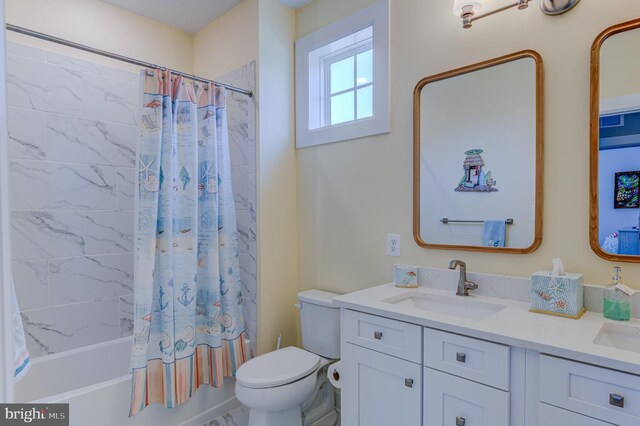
(614, 213)
(478, 154)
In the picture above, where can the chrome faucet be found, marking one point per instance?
(463, 285)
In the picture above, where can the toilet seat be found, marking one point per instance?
(277, 368)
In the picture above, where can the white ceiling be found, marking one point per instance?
(188, 15)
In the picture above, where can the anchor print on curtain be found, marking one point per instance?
(188, 324)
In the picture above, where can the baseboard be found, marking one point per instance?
(212, 413)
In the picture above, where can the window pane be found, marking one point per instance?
(365, 67)
(342, 108)
(365, 102)
(342, 75)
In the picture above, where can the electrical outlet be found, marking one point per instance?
(393, 245)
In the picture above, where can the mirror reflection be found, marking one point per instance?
(477, 141)
(619, 145)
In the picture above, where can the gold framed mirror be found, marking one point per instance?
(478, 156)
(614, 207)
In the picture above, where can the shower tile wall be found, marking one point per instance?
(242, 139)
(72, 130)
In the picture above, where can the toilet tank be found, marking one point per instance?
(320, 321)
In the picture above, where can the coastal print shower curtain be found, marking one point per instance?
(188, 325)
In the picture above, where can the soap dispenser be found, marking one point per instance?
(617, 305)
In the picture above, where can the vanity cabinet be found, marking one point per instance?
(553, 416)
(450, 400)
(403, 374)
(381, 371)
(603, 394)
(382, 390)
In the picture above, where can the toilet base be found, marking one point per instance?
(292, 417)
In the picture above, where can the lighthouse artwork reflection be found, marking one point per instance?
(475, 179)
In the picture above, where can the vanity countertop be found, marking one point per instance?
(514, 325)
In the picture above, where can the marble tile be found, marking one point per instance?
(239, 177)
(43, 87)
(237, 417)
(32, 283)
(60, 328)
(110, 100)
(44, 185)
(125, 183)
(248, 276)
(244, 233)
(109, 231)
(80, 140)
(26, 134)
(38, 235)
(20, 49)
(78, 279)
(92, 67)
(241, 120)
(126, 315)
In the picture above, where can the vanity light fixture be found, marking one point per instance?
(468, 9)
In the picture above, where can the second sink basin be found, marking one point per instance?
(457, 306)
(619, 336)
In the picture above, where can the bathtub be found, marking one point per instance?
(95, 381)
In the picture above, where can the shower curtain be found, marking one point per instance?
(188, 324)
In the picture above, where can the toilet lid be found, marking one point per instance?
(277, 368)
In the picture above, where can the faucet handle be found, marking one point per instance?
(471, 285)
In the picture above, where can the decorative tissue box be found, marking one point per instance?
(561, 295)
(405, 276)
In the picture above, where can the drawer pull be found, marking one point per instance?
(460, 421)
(616, 400)
(408, 383)
(377, 335)
(461, 357)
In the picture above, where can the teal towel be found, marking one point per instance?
(495, 233)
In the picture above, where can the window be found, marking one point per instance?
(342, 79)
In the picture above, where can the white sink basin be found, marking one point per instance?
(456, 306)
(619, 336)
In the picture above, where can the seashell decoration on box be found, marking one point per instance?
(559, 295)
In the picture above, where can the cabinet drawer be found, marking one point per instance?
(392, 337)
(608, 395)
(553, 416)
(472, 359)
(450, 400)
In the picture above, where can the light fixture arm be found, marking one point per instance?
(468, 17)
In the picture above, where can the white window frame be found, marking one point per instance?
(353, 52)
(312, 97)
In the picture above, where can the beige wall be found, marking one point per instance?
(101, 25)
(227, 43)
(351, 194)
(277, 215)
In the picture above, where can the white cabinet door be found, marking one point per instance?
(378, 389)
(452, 401)
(553, 416)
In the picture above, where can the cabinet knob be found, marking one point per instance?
(461, 357)
(460, 421)
(616, 400)
(408, 383)
(377, 335)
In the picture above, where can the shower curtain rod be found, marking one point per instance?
(117, 57)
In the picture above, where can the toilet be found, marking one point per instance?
(275, 386)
